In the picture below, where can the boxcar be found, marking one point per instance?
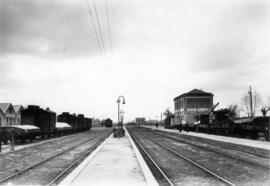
(88, 123)
(71, 119)
(44, 119)
(21, 132)
(62, 128)
(81, 122)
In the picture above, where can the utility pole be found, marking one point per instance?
(251, 102)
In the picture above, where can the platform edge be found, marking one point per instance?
(72, 176)
(150, 179)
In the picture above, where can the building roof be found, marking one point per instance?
(194, 92)
(17, 108)
(4, 107)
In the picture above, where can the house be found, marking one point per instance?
(191, 104)
(7, 115)
(140, 121)
(18, 109)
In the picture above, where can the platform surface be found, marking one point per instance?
(239, 141)
(115, 163)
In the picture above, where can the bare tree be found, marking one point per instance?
(264, 111)
(232, 111)
(266, 107)
(251, 102)
(169, 115)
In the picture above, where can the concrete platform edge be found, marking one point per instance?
(150, 179)
(71, 177)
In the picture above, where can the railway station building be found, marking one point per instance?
(191, 104)
(140, 121)
(10, 114)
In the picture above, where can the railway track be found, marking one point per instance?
(202, 160)
(230, 153)
(229, 146)
(65, 172)
(17, 160)
(158, 172)
(59, 164)
(36, 143)
(167, 175)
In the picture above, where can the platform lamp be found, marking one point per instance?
(122, 117)
(118, 102)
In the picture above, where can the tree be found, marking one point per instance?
(168, 116)
(264, 111)
(251, 102)
(232, 111)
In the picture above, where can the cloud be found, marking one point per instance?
(160, 49)
(47, 29)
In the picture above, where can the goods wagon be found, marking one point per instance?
(20, 132)
(71, 119)
(77, 122)
(44, 119)
(81, 122)
(252, 128)
(88, 122)
(62, 128)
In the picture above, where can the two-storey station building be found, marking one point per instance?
(191, 104)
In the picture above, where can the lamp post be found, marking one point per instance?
(122, 117)
(118, 102)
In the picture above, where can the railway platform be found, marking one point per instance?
(116, 161)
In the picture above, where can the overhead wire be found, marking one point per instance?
(94, 26)
(99, 28)
(108, 24)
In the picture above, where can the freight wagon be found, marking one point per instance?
(78, 123)
(252, 128)
(20, 133)
(43, 119)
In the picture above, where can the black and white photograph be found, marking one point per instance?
(135, 92)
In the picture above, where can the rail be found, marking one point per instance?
(70, 167)
(185, 158)
(135, 139)
(192, 162)
(12, 176)
(212, 150)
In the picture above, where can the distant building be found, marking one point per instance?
(188, 105)
(140, 121)
(96, 123)
(18, 109)
(152, 122)
(9, 114)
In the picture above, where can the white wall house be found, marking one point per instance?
(9, 114)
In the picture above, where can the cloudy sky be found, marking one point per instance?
(49, 53)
